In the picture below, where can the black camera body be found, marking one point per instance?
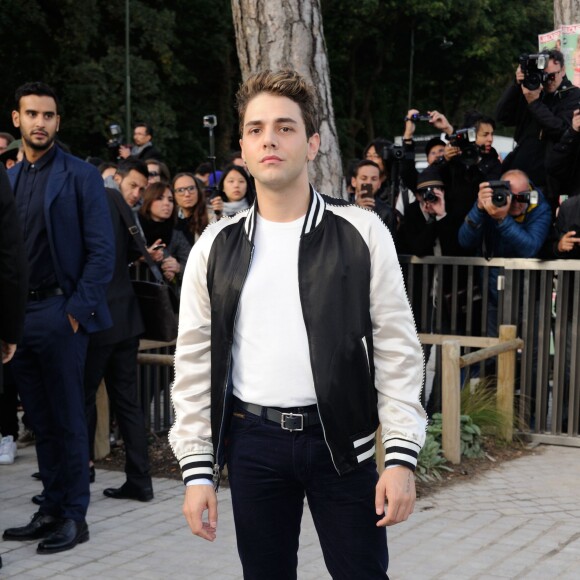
(533, 66)
(418, 117)
(429, 196)
(501, 192)
(397, 153)
(115, 136)
(465, 140)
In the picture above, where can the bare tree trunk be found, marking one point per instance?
(566, 12)
(275, 34)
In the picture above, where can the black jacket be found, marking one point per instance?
(366, 359)
(538, 126)
(563, 164)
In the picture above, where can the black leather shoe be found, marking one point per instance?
(38, 499)
(66, 536)
(36, 475)
(40, 526)
(91, 473)
(128, 492)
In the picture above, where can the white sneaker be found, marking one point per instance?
(7, 450)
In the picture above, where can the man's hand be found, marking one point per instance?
(364, 201)
(217, 204)
(124, 151)
(484, 201)
(171, 267)
(576, 120)
(198, 499)
(409, 125)
(156, 255)
(8, 351)
(397, 486)
(439, 121)
(451, 151)
(568, 241)
(73, 322)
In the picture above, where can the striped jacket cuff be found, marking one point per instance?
(401, 452)
(196, 467)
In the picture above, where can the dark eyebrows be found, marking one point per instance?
(278, 121)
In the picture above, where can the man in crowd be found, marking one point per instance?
(563, 161)
(5, 140)
(541, 117)
(69, 243)
(112, 353)
(516, 229)
(158, 171)
(143, 147)
(366, 182)
(321, 307)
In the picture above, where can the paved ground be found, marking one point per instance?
(518, 521)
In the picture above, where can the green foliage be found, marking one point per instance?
(431, 463)
(470, 435)
(480, 403)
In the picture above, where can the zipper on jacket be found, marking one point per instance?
(311, 362)
(217, 468)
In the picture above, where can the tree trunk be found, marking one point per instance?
(566, 12)
(288, 34)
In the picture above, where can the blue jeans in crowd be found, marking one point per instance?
(270, 471)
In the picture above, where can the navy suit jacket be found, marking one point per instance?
(80, 235)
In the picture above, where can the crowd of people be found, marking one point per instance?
(79, 257)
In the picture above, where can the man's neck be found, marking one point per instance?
(283, 206)
(33, 155)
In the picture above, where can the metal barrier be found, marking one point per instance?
(541, 298)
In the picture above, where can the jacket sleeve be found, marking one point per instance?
(99, 247)
(553, 124)
(471, 231)
(191, 437)
(509, 107)
(559, 161)
(398, 357)
(13, 267)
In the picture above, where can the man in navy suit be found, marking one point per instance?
(69, 243)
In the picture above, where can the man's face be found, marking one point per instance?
(274, 143)
(132, 186)
(38, 121)
(435, 153)
(154, 173)
(484, 137)
(140, 136)
(556, 73)
(518, 184)
(3, 144)
(366, 174)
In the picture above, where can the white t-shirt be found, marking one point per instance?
(270, 355)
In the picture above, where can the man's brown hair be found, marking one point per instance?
(283, 83)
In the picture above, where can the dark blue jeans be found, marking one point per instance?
(270, 471)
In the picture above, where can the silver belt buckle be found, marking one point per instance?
(291, 417)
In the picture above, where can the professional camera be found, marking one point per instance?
(533, 66)
(526, 197)
(115, 136)
(397, 153)
(429, 195)
(465, 140)
(501, 192)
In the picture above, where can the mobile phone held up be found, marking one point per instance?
(366, 190)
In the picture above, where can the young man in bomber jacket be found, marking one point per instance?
(296, 341)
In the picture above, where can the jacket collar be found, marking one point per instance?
(313, 217)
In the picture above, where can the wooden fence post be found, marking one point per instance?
(506, 366)
(451, 403)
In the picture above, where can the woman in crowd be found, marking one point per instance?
(236, 190)
(192, 216)
(158, 217)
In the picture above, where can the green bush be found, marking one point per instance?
(431, 462)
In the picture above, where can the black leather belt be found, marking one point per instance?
(44, 294)
(295, 419)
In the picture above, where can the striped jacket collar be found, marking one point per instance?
(313, 217)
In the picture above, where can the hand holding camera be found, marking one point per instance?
(433, 201)
(365, 197)
(494, 197)
(439, 121)
(569, 240)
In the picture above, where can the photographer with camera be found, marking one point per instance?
(540, 105)
(470, 159)
(563, 161)
(143, 148)
(509, 220)
(366, 183)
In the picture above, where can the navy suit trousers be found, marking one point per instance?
(48, 368)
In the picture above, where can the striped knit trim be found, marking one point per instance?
(196, 467)
(364, 447)
(314, 213)
(401, 452)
